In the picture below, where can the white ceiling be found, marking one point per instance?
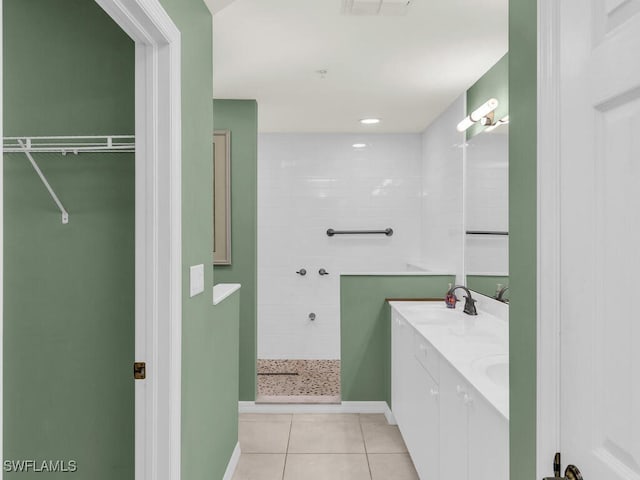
(404, 69)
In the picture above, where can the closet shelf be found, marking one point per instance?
(64, 145)
(76, 144)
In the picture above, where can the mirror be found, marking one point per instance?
(486, 212)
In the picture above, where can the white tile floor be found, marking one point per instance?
(321, 447)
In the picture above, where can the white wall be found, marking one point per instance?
(442, 190)
(308, 183)
(487, 202)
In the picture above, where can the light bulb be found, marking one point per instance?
(478, 114)
(484, 109)
(464, 124)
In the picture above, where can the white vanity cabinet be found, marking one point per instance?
(489, 435)
(452, 432)
(454, 441)
(401, 337)
(474, 440)
(425, 409)
(415, 399)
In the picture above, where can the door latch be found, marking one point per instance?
(140, 370)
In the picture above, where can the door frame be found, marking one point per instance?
(548, 377)
(158, 233)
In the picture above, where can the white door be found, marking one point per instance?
(600, 237)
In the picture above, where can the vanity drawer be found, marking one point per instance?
(427, 355)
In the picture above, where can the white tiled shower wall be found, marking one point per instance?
(412, 183)
(308, 183)
(442, 235)
(487, 203)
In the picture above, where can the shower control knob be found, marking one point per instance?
(323, 272)
(312, 316)
(302, 272)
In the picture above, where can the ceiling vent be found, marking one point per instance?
(380, 8)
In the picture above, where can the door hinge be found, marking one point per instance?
(140, 370)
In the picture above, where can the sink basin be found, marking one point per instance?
(496, 368)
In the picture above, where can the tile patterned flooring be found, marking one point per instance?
(313, 381)
(321, 447)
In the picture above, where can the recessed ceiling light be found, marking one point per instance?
(370, 121)
(359, 145)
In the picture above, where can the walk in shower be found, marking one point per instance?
(326, 208)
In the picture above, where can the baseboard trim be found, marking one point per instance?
(233, 463)
(344, 407)
(391, 419)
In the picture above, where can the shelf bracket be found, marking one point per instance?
(63, 211)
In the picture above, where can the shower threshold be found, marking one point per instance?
(299, 381)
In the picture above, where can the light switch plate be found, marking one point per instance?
(197, 279)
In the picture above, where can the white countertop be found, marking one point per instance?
(468, 343)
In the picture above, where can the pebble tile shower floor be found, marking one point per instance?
(298, 381)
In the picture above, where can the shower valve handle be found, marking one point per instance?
(302, 272)
(323, 272)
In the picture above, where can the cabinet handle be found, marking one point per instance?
(468, 400)
(434, 392)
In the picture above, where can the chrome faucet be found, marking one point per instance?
(469, 303)
(500, 295)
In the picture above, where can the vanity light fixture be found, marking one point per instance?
(359, 145)
(482, 114)
(370, 121)
(502, 121)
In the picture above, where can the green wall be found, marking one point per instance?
(68, 289)
(493, 84)
(217, 401)
(522, 236)
(365, 329)
(209, 418)
(241, 118)
(487, 284)
(513, 82)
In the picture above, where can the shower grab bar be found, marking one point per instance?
(387, 231)
(487, 232)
